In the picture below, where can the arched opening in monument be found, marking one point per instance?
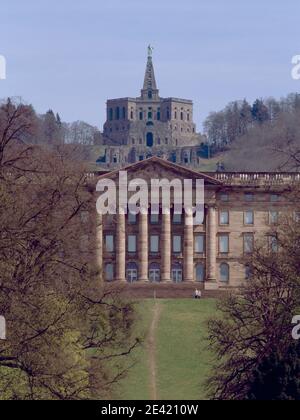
(149, 139)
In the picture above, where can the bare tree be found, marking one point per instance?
(67, 335)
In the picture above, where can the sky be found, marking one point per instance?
(71, 56)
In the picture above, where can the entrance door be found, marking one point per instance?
(177, 274)
(154, 273)
(149, 139)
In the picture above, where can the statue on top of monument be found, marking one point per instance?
(150, 50)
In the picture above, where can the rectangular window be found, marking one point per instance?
(249, 217)
(224, 217)
(199, 244)
(224, 244)
(249, 197)
(273, 241)
(177, 218)
(154, 244)
(132, 244)
(177, 244)
(274, 217)
(274, 198)
(132, 218)
(109, 243)
(224, 197)
(248, 243)
(154, 219)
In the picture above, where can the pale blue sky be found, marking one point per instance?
(72, 55)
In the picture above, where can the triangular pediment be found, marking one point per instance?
(158, 168)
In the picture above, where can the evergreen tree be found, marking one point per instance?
(277, 377)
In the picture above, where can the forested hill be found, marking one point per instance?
(264, 136)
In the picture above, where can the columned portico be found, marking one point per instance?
(121, 247)
(143, 246)
(166, 246)
(188, 246)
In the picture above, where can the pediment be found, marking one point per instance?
(157, 168)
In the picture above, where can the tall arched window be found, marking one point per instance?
(117, 113)
(224, 273)
(111, 114)
(177, 276)
(109, 272)
(154, 273)
(200, 272)
(124, 113)
(132, 272)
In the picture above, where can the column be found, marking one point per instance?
(143, 245)
(188, 268)
(211, 257)
(166, 246)
(99, 245)
(121, 246)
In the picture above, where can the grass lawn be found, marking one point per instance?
(182, 358)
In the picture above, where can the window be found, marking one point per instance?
(200, 273)
(248, 272)
(273, 217)
(141, 116)
(224, 244)
(84, 216)
(177, 218)
(249, 217)
(154, 273)
(158, 115)
(154, 219)
(150, 94)
(248, 243)
(117, 113)
(111, 114)
(177, 273)
(132, 243)
(132, 272)
(154, 244)
(274, 198)
(177, 244)
(124, 113)
(224, 197)
(249, 197)
(181, 116)
(273, 241)
(109, 272)
(224, 217)
(224, 273)
(149, 115)
(132, 218)
(109, 243)
(199, 244)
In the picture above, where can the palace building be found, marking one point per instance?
(240, 208)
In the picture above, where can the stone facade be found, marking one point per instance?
(240, 208)
(138, 128)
